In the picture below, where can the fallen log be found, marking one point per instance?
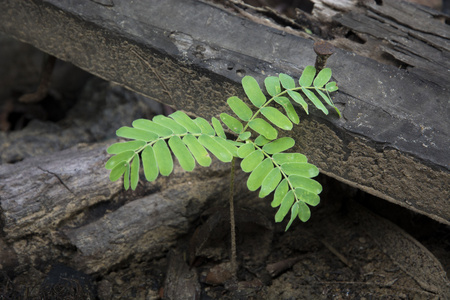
(392, 140)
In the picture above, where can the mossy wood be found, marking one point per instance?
(392, 140)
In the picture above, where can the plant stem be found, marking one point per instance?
(232, 223)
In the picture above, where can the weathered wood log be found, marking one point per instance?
(67, 199)
(392, 141)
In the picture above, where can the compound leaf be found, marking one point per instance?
(134, 173)
(280, 145)
(116, 159)
(149, 164)
(307, 197)
(294, 214)
(215, 148)
(282, 158)
(245, 150)
(264, 128)
(311, 96)
(136, 134)
(302, 169)
(148, 125)
(126, 146)
(272, 84)
(251, 161)
(218, 127)
(270, 182)
(184, 120)
(280, 192)
(286, 204)
(256, 178)
(118, 171)
(253, 91)
(287, 81)
(276, 117)
(307, 76)
(199, 152)
(307, 184)
(240, 108)
(322, 78)
(231, 123)
(289, 108)
(303, 213)
(163, 157)
(183, 155)
(169, 123)
(299, 99)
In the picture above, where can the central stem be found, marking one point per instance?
(232, 223)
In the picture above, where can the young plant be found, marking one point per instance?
(256, 127)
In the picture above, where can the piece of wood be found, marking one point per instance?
(392, 140)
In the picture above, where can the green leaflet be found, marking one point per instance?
(307, 184)
(245, 150)
(331, 87)
(299, 99)
(287, 81)
(149, 164)
(280, 145)
(169, 123)
(163, 157)
(276, 117)
(185, 121)
(286, 204)
(218, 128)
(256, 178)
(204, 126)
(116, 159)
(126, 177)
(261, 141)
(231, 123)
(322, 78)
(307, 197)
(134, 172)
(262, 127)
(118, 171)
(303, 212)
(272, 84)
(301, 169)
(294, 214)
(126, 146)
(240, 108)
(199, 152)
(289, 108)
(281, 158)
(136, 134)
(251, 161)
(280, 192)
(215, 148)
(328, 101)
(227, 144)
(270, 182)
(311, 96)
(253, 91)
(245, 135)
(307, 76)
(183, 155)
(148, 125)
